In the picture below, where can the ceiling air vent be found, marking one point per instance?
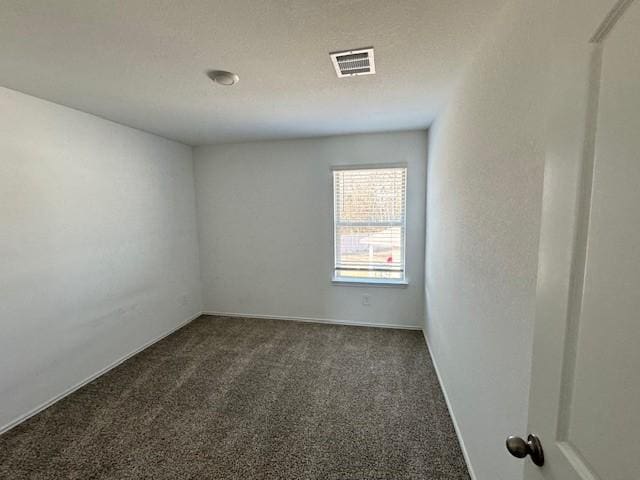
(354, 62)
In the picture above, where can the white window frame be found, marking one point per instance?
(369, 282)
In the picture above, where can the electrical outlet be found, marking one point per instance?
(366, 300)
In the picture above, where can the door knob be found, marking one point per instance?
(520, 448)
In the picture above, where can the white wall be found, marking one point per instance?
(98, 246)
(483, 210)
(264, 214)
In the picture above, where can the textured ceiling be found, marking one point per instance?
(143, 62)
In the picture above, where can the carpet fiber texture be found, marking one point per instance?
(240, 398)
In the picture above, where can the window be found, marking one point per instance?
(369, 224)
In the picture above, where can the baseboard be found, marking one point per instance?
(465, 454)
(92, 377)
(314, 320)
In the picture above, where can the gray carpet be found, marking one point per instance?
(250, 399)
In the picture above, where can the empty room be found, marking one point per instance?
(319, 239)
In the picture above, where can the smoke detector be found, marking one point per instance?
(222, 77)
(351, 63)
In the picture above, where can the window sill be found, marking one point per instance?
(368, 282)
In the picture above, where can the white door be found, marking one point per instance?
(585, 392)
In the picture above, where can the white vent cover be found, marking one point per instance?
(350, 63)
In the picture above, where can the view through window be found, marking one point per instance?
(369, 224)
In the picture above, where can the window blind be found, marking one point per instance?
(369, 223)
